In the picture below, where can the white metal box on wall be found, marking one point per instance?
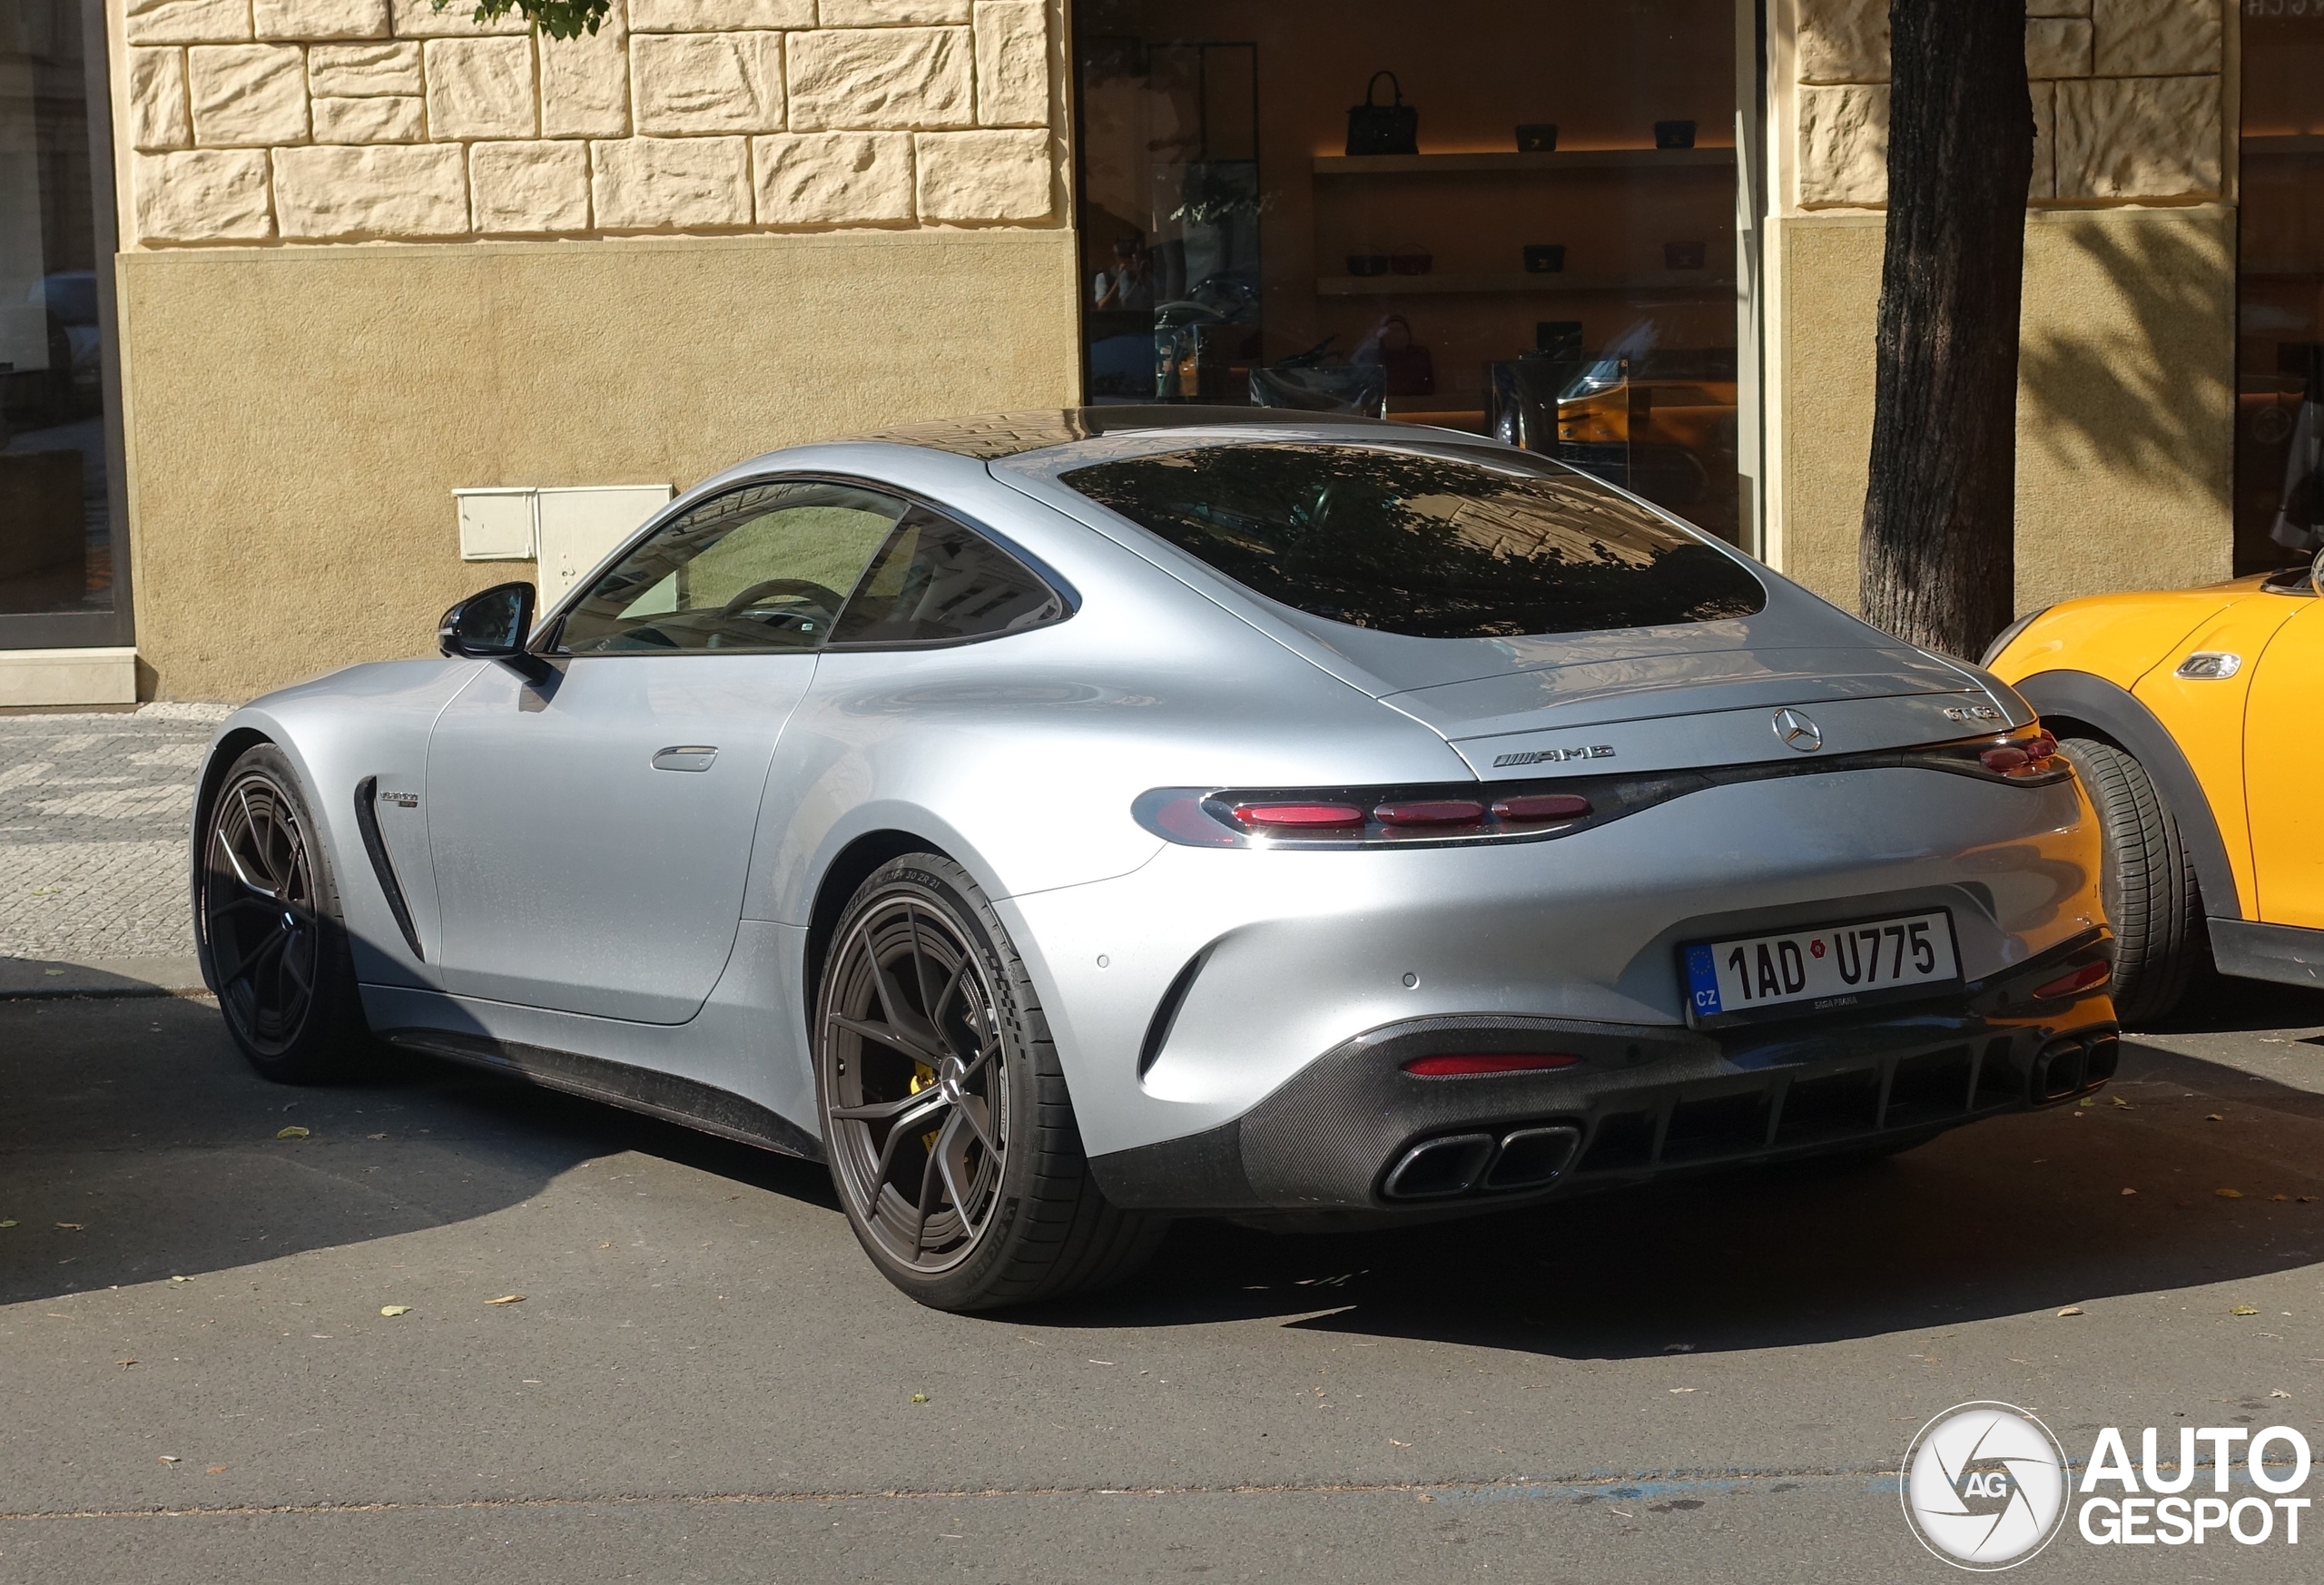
(567, 531)
(580, 528)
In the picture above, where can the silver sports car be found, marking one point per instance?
(1059, 822)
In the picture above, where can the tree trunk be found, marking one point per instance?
(1938, 561)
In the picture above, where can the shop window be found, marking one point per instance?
(2279, 340)
(1532, 234)
(61, 579)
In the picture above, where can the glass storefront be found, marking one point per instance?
(61, 578)
(1527, 228)
(2280, 336)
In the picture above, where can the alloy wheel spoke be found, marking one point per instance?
(878, 1111)
(972, 1111)
(259, 856)
(927, 1192)
(247, 969)
(919, 965)
(907, 1126)
(900, 1014)
(890, 1035)
(951, 1154)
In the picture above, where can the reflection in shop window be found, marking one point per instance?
(1548, 257)
(2280, 340)
(57, 540)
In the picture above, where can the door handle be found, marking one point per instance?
(686, 757)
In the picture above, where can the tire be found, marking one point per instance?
(268, 925)
(2147, 883)
(993, 1203)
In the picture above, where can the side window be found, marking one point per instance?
(936, 581)
(766, 568)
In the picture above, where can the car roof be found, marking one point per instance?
(989, 437)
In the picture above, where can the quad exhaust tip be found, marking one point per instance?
(1459, 1164)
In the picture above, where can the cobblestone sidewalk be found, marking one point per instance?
(92, 833)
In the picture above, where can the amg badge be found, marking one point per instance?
(1553, 756)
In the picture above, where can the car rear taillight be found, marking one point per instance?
(2028, 755)
(1463, 1066)
(1297, 816)
(1431, 812)
(1541, 806)
(2083, 979)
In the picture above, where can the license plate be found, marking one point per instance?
(1821, 969)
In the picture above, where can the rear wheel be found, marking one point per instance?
(951, 1138)
(272, 944)
(2147, 883)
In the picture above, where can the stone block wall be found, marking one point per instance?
(350, 121)
(2127, 101)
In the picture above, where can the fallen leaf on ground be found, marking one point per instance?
(919, 1397)
(292, 1132)
(170, 1458)
(69, 1226)
(1682, 1389)
(2284, 1198)
(392, 1310)
(2278, 1392)
(375, 1136)
(180, 1279)
(215, 1470)
(9, 1224)
(2088, 1100)
(608, 1245)
(2122, 1103)
(507, 1299)
(124, 1364)
(2306, 1199)
(2130, 1191)
(2227, 1193)
(2213, 1117)
(2071, 1310)
(1394, 1442)
(2243, 1310)
(1424, 1497)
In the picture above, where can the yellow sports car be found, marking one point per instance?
(2196, 717)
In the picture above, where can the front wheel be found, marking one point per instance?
(2147, 883)
(950, 1136)
(266, 907)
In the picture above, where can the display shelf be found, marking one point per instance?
(1561, 160)
(1520, 283)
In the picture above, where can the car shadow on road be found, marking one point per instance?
(2021, 1215)
(136, 1145)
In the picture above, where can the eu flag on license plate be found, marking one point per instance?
(1702, 980)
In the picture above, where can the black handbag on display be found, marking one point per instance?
(1384, 129)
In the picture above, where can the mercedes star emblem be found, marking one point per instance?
(1797, 732)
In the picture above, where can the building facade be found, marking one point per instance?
(315, 306)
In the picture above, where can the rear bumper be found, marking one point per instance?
(1354, 1131)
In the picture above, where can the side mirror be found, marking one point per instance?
(490, 626)
(2316, 573)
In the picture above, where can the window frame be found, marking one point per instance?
(549, 632)
(115, 628)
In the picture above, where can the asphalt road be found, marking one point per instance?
(705, 1381)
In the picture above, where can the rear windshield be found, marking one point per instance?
(1422, 543)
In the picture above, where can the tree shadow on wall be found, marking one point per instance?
(2139, 380)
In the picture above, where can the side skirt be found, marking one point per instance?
(2287, 954)
(657, 1095)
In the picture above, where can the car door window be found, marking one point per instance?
(937, 582)
(766, 568)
